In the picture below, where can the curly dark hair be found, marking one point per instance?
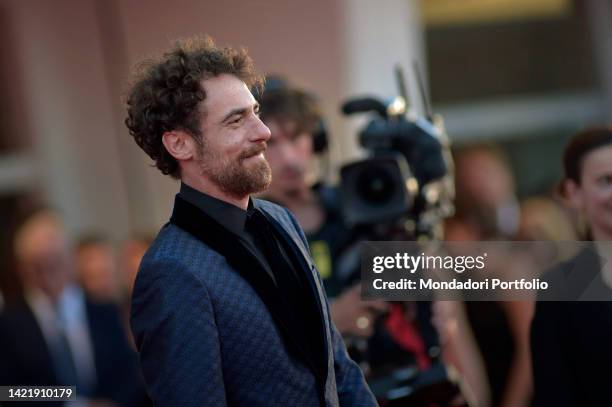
(166, 91)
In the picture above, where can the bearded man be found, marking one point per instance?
(228, 307)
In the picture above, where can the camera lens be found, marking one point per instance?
(375, 186)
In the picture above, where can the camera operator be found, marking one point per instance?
(390, 340)
(298, 134)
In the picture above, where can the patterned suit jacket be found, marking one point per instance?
(211, 330)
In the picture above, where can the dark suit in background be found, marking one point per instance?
(25, 357)
(572, 340)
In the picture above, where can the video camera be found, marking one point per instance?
(407, 178)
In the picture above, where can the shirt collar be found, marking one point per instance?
(229, 216)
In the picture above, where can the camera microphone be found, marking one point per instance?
(366, 104)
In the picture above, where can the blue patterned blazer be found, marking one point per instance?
(211, 330)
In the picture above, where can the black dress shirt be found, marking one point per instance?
(230, 217)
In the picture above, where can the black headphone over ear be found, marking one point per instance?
(319, 135)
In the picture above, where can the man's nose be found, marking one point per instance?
(261, 131)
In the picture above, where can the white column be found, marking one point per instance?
(377, 36)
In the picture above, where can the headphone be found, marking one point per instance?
(319, 135)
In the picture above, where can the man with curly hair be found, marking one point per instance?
(228, 307)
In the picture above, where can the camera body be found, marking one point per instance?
(407, 175)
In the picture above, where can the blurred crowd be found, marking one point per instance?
(70, 324)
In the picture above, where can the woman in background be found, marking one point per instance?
(571, 353)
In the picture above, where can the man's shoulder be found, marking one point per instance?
(170, 241)
(174, 249)
(174, 239)
(15, 314)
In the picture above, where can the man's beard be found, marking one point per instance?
(233, 176)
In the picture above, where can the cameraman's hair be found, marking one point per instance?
(579, 146)
(289, 105)
(166, 91)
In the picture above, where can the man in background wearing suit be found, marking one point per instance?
(228, 307)
(55, 335)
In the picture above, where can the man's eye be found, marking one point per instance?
(606, 180)
(236, 120)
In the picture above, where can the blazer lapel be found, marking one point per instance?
(197, 223)
(300, 253)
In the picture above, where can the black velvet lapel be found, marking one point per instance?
(300, 257)
(197, 223)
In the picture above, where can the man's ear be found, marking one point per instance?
(179, 144)
(573, 194)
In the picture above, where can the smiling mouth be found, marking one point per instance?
(255, 152)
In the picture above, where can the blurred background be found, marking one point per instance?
(523, 73)
(515, 78)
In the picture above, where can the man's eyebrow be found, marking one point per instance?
(239, 111)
